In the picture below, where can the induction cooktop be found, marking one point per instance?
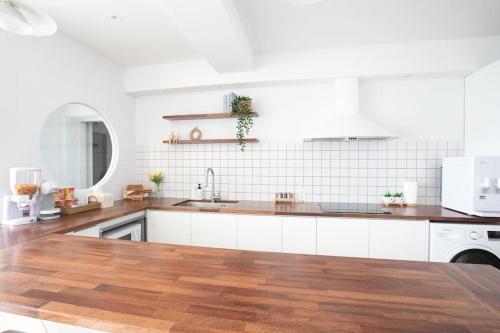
(350, 207)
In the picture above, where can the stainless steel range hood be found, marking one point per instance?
(345, 123)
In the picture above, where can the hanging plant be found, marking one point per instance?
(242, 106)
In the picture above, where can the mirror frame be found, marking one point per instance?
(114, 146)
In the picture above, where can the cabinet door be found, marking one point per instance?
(399, 239)
(299, 235)
(169, 227)
(89, 232)
(259, 233)
(343, 237)
(15, 323)
(214, 230)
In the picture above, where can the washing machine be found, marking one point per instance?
(465, 243)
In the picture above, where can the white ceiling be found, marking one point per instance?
(144, 36)
(147, 35)
(272, 26)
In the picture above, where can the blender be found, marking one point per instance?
(22, 207)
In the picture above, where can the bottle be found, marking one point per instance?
(198, 193)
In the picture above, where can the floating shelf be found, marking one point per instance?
(202, 116)
(194, 142)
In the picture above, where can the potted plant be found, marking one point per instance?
(242, 107)
(394, 198)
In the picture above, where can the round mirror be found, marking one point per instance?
(76, 146)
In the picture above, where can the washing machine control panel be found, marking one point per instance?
(474, 235)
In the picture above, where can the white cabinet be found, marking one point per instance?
(259, 233)
(399, 239)
(89, 232)
(214, 230)
(343, 237)
(169, 227)
(349, 237)
(299, 235)
(15, 323)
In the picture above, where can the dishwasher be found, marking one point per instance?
(131, 227)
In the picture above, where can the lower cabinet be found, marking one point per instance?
(169, 227)
(399, 239)
(214, 230)
(349, 237)
(299, 235)
(259, 233)
(343, 237)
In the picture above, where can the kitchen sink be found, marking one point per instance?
(207, 204)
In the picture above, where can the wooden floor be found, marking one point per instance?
(121, 286)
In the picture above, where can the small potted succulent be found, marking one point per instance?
(394, 199)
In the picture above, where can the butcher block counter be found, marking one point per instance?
(15, 235)
(123, 286)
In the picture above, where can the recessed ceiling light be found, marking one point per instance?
(116, 18)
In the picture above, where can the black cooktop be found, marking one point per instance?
(356, 207)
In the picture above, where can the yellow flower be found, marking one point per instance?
(156, 177)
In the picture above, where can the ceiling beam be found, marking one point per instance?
(215, 30)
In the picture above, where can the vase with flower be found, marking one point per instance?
(157, 178)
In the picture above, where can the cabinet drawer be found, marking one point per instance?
(214, 230)
(343, 237)
(259, 233)
(169, 227)
(299, 235)
(399, 239)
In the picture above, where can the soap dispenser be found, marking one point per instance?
(198, 193)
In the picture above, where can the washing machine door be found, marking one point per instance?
(477, 256)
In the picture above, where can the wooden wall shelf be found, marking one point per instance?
(195, 142)
(220, 115)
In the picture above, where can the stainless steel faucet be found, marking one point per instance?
(213, 195)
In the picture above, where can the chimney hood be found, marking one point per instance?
(345, 123)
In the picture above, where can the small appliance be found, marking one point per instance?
(22, 207)
(48, 210)
(471, 185)
(465, 243)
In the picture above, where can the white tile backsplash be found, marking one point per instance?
(324, 171)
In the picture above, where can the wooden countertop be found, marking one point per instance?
(14, 235)
(123, 286)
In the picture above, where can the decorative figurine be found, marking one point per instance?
(195, 134)
(174, 138)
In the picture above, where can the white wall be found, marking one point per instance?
(413, 108)
(40, 74)
(482, 115)
(448, 56)
(416, 108)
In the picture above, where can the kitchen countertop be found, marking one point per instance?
(14, 235)
(122, 286)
